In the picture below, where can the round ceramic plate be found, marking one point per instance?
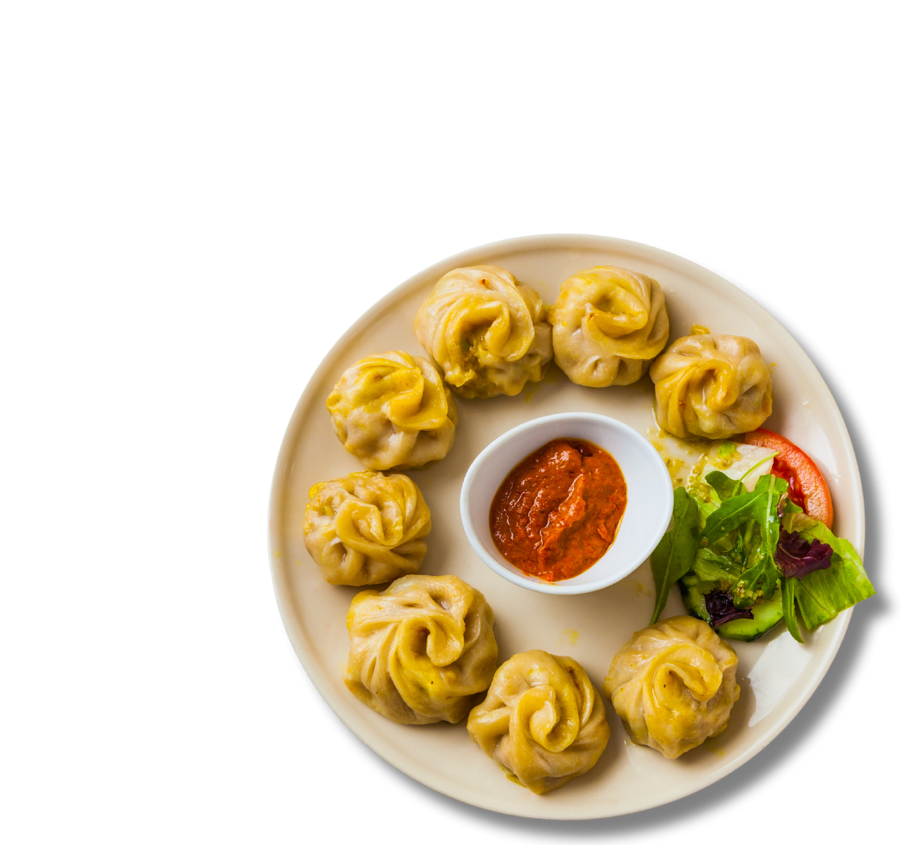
(777, 675)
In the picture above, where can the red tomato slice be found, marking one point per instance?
(806, 486)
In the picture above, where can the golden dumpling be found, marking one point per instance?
(366, 528)
(608, 324)
(542, 721)
(712, 385)
(422, 650)
(673, 685)
(392, 411)
(487, 332)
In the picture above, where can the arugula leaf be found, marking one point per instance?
(675, 553)
(730, 515)
(760, 579)
(724, 486)
(766, 510)
(759, 463)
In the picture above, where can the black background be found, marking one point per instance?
(821, 761)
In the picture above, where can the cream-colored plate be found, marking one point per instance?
(777, 675)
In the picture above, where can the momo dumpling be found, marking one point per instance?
(366, 528)
(422, 650)
(712, 385)
(673, 685)
(487, 332)
(542, 721)
(608, 324)
(392, 411)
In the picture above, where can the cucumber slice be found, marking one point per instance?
(767, 613)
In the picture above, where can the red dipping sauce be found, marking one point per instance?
(557, 512)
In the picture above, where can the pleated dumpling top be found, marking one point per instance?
(673, 685)
(487, 332)
(422, 650)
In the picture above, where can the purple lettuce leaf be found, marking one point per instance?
(722, 609)
(798, 556)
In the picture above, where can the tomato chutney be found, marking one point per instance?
(558, 510)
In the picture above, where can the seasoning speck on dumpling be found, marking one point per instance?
(542, 721)
(393, 411)
(712, 385)
(366, 528)
(487, 332)
(608, 324)
(674, 685)
(422, 650)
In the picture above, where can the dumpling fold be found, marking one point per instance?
(674, 685)
(392, 411)
(712, 385)
(422, 650)
(542, 721)
(487, 331)
(608, 324)
(366, 528)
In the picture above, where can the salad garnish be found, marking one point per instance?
(745, 555)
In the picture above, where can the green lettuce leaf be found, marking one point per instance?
(766, 510)
(823, 594)
(711, 566)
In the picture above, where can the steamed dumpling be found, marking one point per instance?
(712, 385)
(422, 650)
(542, 722)
(392, 411)
(487, 331)
(366, 528)
(608, 324)
(673, 685)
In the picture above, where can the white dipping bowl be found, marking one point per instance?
(649, 497)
